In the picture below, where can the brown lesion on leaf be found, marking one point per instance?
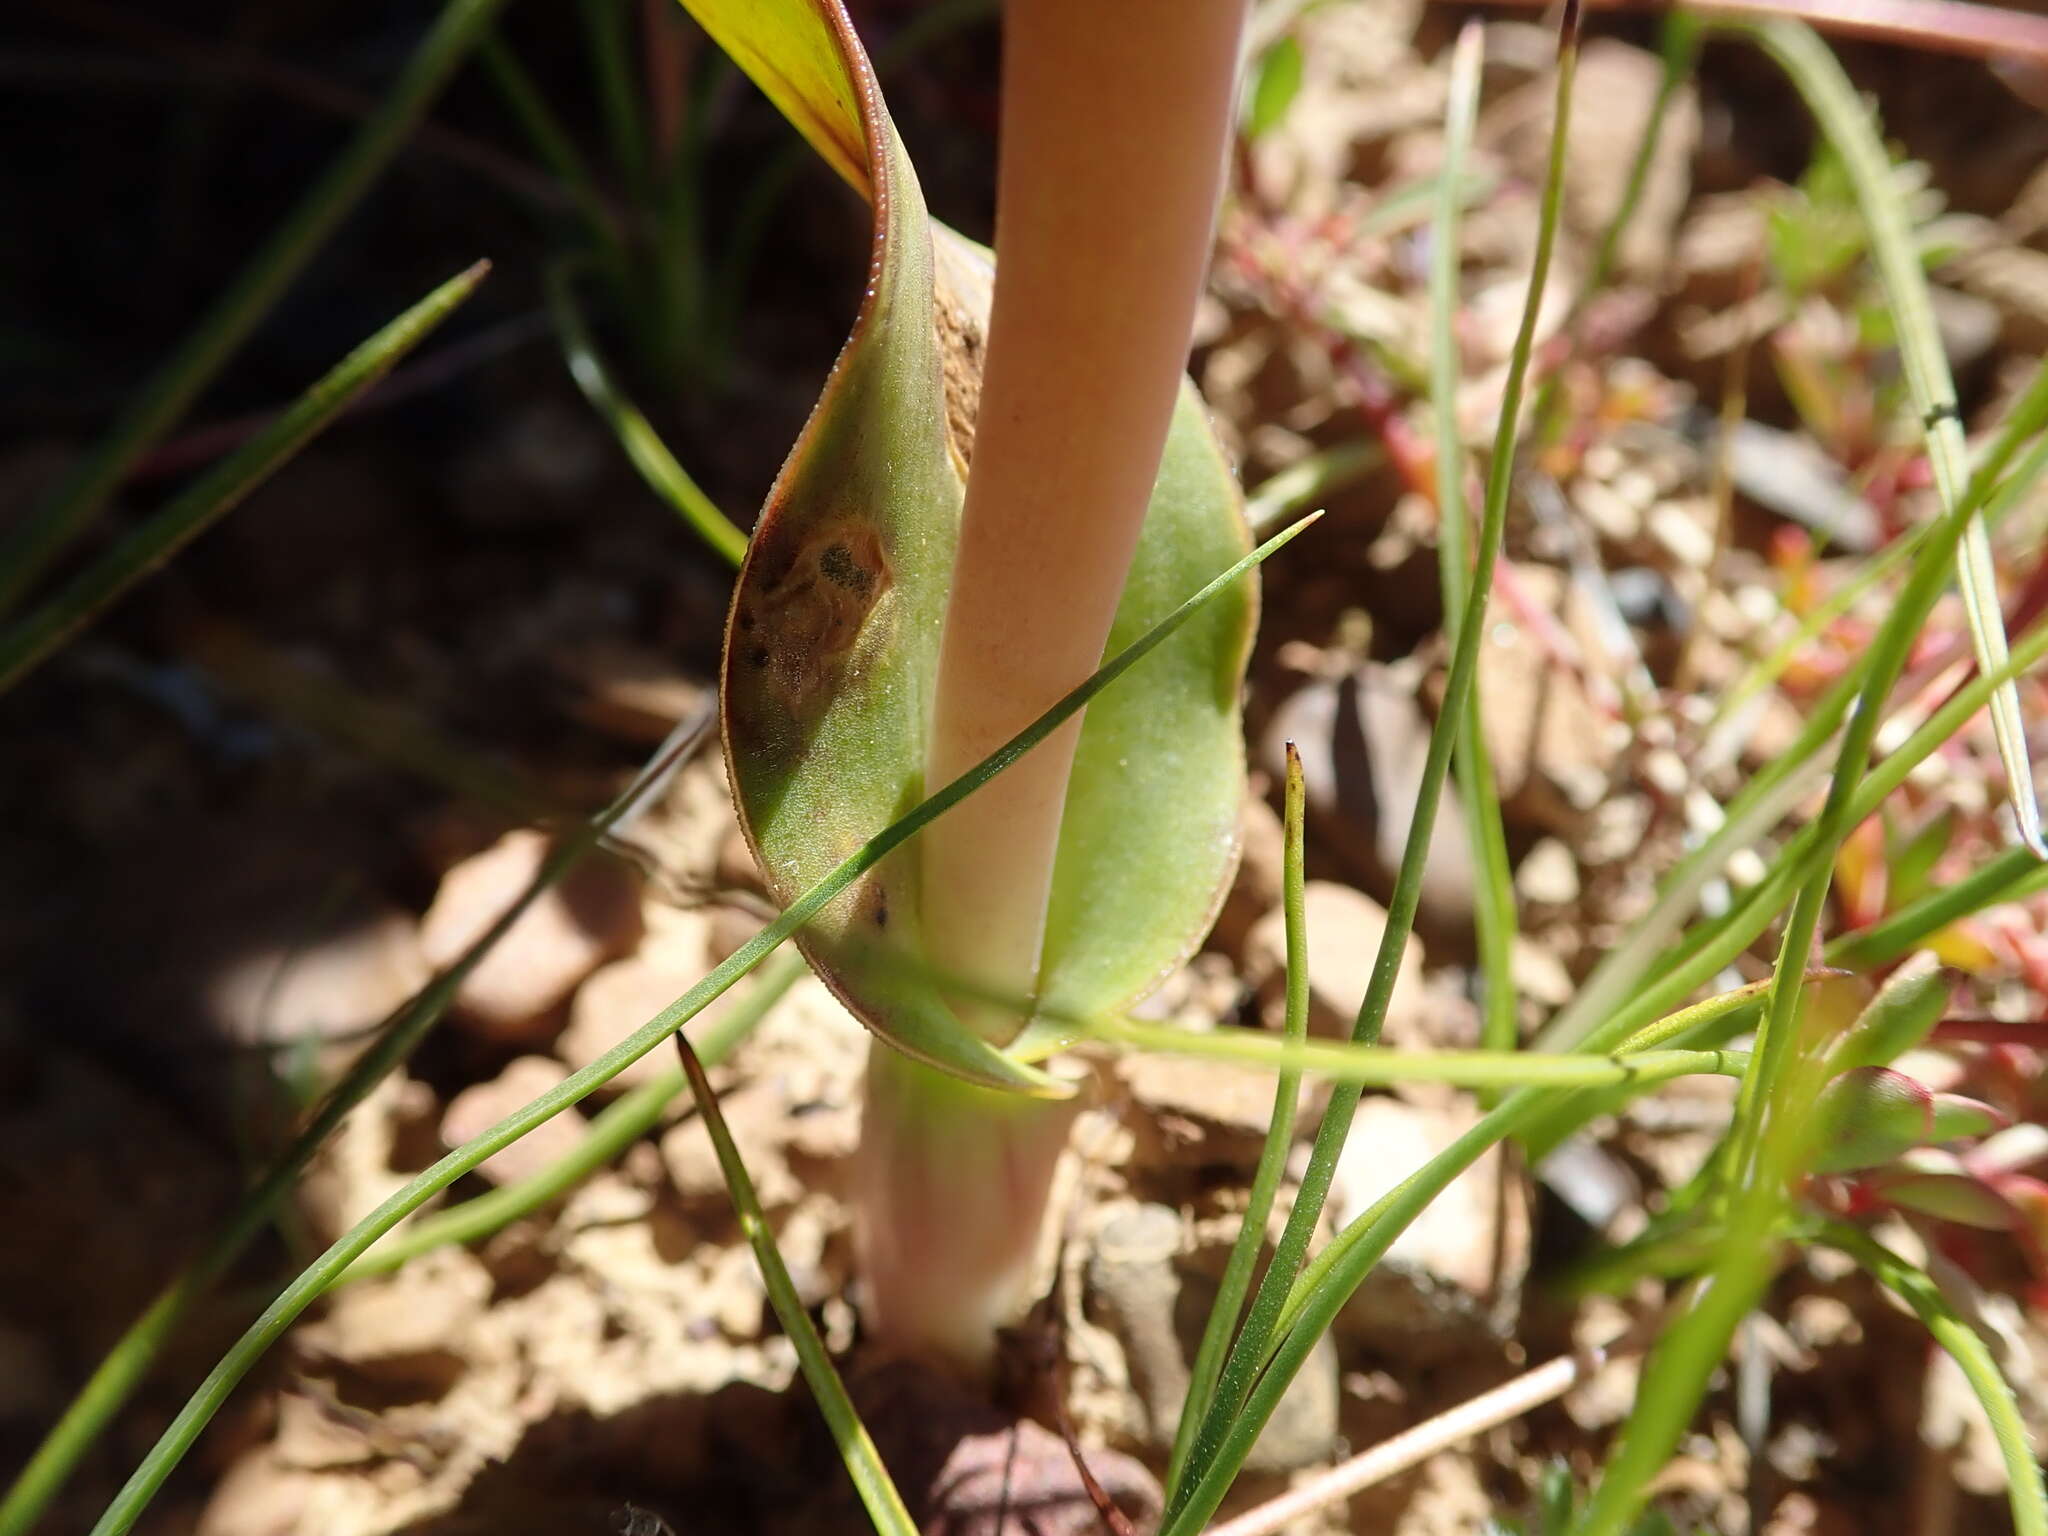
(798, 630)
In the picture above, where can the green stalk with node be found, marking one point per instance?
(948, 551)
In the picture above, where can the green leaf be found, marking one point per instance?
(1936, 1184)
(831, 654)
(1869, 1115)
(1275, 83)
(664, 475)
(796, 52)
(1957, 1118)
(1903, 1014)
(1221, 1325)
(1912, 856)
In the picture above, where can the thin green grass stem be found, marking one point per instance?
(2013, 875)
(43, 537)
(2027, 418)
(552, 142)
(128, 1362)
(863, 1462)
(1493, 905)
(1847, 121)
(1698, 959)
(609, 1135)
(1679, 51)
(1917, 1289)
(1307, 482)
(1221, 1325)
(661, 470)
(1242, 1368)
(177, 1439)
(222, 488)
(1763, 1146)
(1342, 1061)
(606, 31)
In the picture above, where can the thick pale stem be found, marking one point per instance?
(1115, 120)
(953, 1181)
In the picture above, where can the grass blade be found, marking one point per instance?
(1848, 124)
(218, 491)
(177, 1439)
(1493, 907)
(610, 1133)
(1221, 1325)
(1345, 1061)
(167, 396)
(658, 467)
(2013, 876)
(1224, 1420)
(863, 1462)
(125, 1365)
(551, 141)
(1916, 1288)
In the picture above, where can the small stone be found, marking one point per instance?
(1665, 771)
(1197, 1110)
(1548, 875)
(1452, 1280)
(1553, 751)
(622, 996)
(1687, 538)
(477, 1109)
(590, 915)
(1141, 1297)
(335, 986)
(1793, 476)
(422, 1312)
(1344, 928)
(1617, 519)
(1538, 975)
(757, 1118)
(1363, 738)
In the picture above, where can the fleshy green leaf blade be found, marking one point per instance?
(832, 655)
(792, 50)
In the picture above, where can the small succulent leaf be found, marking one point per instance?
(1956, 1197)
(1957, 1117)
(1900, 1017)
(1962, 946)
(2028, 1198)
(833, 640)
(1869, 1115)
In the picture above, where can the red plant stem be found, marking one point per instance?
(2030, 1032)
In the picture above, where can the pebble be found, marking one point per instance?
(591, 915)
